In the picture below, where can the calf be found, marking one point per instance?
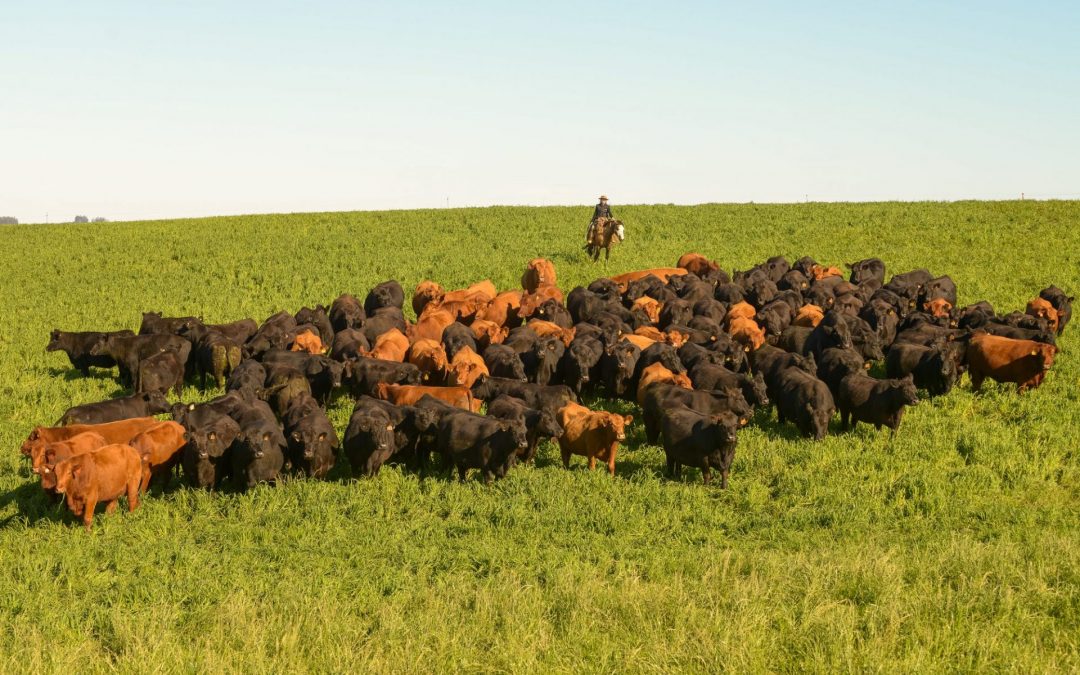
(160, 449)
(466, 368)
(120, 431)
(404, 394)
(1003, 359)
(45, 461)
(879, 402)
(102, 475)
(804, 400)
(136, 405)
(78, 347)
(700, 440)
(538, 423)
(592, 434)
(471, 441)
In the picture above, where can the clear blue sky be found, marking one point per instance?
(142, 109)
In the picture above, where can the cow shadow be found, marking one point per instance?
(32, 506)
(72, 374)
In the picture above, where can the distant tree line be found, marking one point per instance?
(9, 220)
(84, 219)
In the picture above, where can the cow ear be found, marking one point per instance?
(628, 419)
(322, 436)
(1034, 352)
(210, 436)
(295, 435)
(266, 436)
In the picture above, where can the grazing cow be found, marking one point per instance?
(386, 294)
(45, 461)
(489, 444)
(430, 357)
(104, 475)
(160, 372)
(538, 423)
(1062, 305)
(661, 273)
(426, 292)
(804, 400)
(657, 373)
(121, 431)
(700, 440)
(407, 394)
(1002, 359)
(466, 368)
(346, 312)
(808, 316)
(1042, 309)
(369, 438)
(539, 272)
(310, 437)
(592, 434)
(78, 347)
(879, 402)
(932, 367)
(390, 346)
(136, 405)
(662, 397)
(307, 341)
(159, 447)
(504, 362)
(366, 374)
(258, 454)
(129, 351)
(210, 435)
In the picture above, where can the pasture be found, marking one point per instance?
(953, 545)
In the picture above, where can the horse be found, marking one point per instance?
(605, 233)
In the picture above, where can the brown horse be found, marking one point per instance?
(604, 233)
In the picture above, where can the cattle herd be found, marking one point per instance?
(696, 349)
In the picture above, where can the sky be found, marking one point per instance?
(136, 110)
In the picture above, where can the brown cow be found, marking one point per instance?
(503, 310)
(45, 458)
(1004, 359)
(121, 431)
(431, 324)
(1042, 309)
(740, 310)
(539, 272)
(426, 292)
(488, 333)
(159, 448)
(530, 302)
(390, 346)
(820, 272)
(747, 332)
(658, 373)
(695, 263)
(661, 273)
(102, 475)
(545, 328)
(650, 306)
(430, 357)
(808, 316)
(409, 394)
(939, 307)
(640, 341)
(309, 342)
(675, 338)
(592, 434)
(466, 368)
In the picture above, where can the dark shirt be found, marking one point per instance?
(602, 211)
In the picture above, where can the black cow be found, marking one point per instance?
(542, 360)
(323, 373)
(709, 376)
(551, 310)
(867, 270)
(346, 312)
(658, 352)
(549, 398)
(538, 423)
(705, 441)
(503, 361)
(387, 294)
(369, 438)
(250, 375)
(833, 331)
(617, 367)
(78, 346)
(210, 436)
(836, 364)
(804, 400)
(213, 353)
(933, 368)
(310, 436)
(318, 318)
(155, 324)
(456, 336)
(127, 351)
(1060, 302)
(258, 455)
(137, 405)
(283, 384)
(878, 402)
(382, 321)
(470, 441)
(580, 363)
(661, 397)
(348, 343)
(237, 331)
(364, 375)
(160, 372)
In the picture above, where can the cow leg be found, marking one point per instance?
(706, 474)
(844, 420)
(611, 460)
(565, 458)
(671, 467)
(88, 511)
(976, 381)
(592, 462)
(461, 473)
(110, 508)
(487, 476)
(723, 479)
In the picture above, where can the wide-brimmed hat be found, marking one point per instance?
(603, 198)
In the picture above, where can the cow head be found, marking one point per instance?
(156, 403)
(54, 341)
(753, 388)
(617, 424)
(548, 352)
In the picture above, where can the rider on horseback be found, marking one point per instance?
(603, 211)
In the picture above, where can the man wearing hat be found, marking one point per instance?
(602, 210)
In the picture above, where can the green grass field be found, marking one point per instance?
(954, 545)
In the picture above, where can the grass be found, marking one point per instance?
(954, 545)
